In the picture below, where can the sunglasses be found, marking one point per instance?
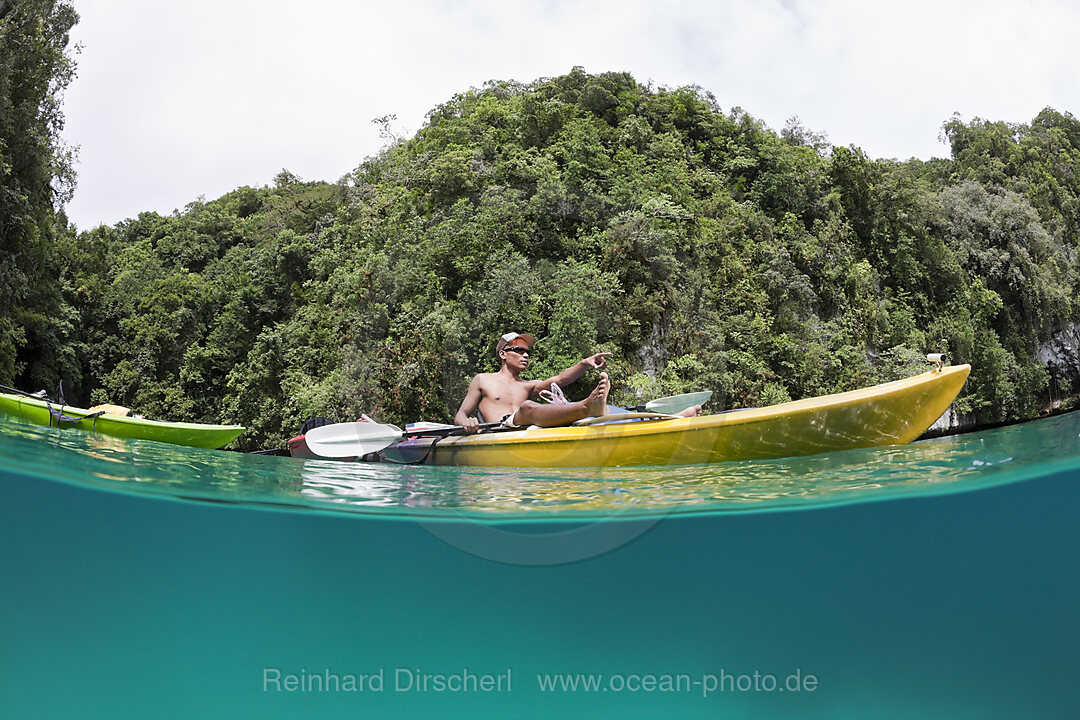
(519, 349)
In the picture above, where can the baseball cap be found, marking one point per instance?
(510, 337)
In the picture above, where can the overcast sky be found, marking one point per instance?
(174, 100)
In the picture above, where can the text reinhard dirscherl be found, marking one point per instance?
(402, 680)
(465, 680)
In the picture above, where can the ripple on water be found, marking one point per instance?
(943, 465)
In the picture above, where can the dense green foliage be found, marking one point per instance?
(700, 247)
(35, 178)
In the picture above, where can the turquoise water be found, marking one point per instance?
(935, 580)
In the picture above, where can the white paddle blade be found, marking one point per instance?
(350, 439)
(678, 403)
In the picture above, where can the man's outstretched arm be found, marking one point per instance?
(572, 373)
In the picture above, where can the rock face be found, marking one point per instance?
(1060, 354)
(949, 421)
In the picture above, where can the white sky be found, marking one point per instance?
(174, 100)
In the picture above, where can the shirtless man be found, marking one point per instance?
(504, 394)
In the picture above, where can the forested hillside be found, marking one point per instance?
(36, 178)
(703, 249)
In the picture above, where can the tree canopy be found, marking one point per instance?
(702, 248)
(36, 178)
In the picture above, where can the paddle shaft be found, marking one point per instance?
(361, 438)
(444, 432)
(5, 388)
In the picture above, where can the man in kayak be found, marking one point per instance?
(503, 395)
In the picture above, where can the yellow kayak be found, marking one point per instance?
(893, 413)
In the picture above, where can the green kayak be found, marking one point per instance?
(44, 412)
